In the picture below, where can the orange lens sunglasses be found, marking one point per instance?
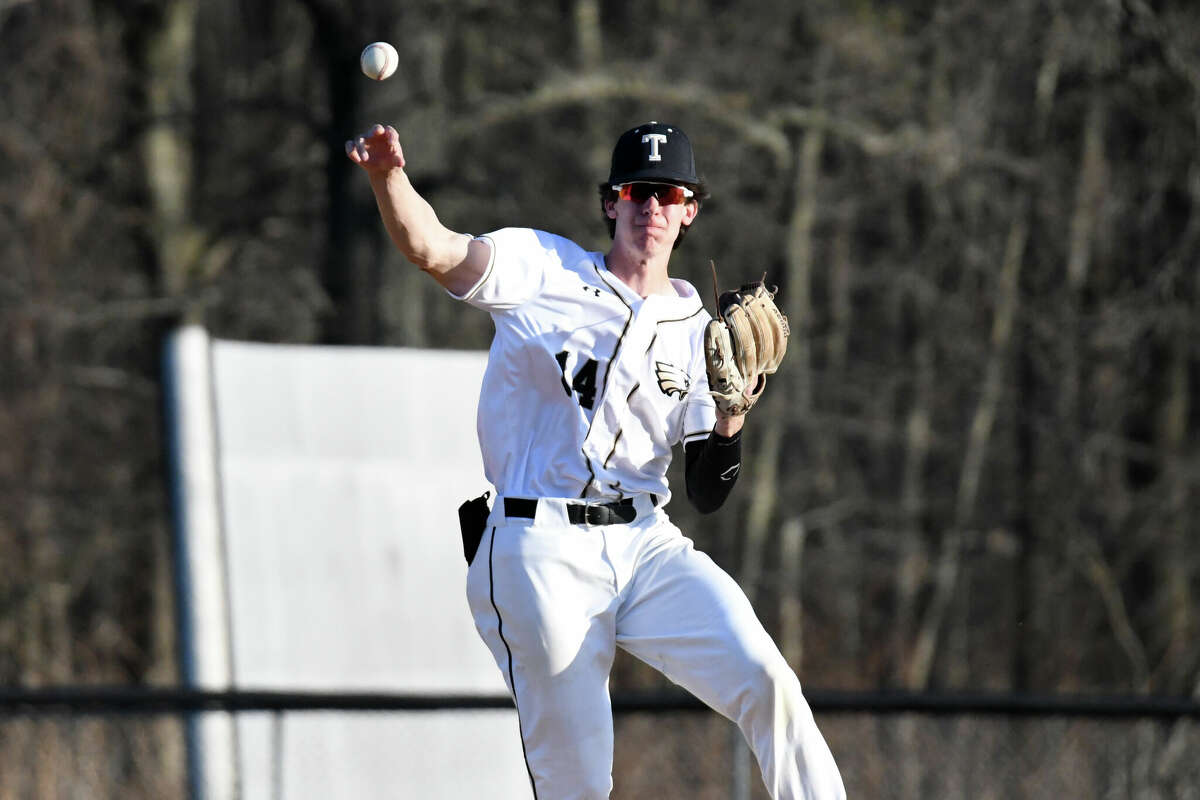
(667, 194)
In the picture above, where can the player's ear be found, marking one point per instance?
(690, 210)
(610, 207)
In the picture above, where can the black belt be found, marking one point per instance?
(618, 512)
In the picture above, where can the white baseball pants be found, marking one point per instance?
(553, 601)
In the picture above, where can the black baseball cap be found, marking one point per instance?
(653, 152)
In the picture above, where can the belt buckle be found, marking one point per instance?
(596, 513)
(592, 514)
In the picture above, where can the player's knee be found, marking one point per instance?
(769, 687)
(570, 754)
(790, 707)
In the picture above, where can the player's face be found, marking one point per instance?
(649, 215)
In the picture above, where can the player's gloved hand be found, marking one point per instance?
(742, 345)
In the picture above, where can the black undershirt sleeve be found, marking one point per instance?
(711, 469)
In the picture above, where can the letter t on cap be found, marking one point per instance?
(655, 139)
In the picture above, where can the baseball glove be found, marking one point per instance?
(743, 345)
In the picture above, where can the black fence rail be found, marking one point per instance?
(171, 700)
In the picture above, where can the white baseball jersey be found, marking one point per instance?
(589, 386)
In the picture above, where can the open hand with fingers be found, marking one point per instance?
(377, 150)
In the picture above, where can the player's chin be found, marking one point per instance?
(651, 235)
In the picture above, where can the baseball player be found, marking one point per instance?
(601, 364)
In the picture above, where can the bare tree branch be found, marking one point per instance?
(725, 109)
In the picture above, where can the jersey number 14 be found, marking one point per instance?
(584, 382)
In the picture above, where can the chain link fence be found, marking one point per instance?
(89, 757)
(920, 757)
(678, 751)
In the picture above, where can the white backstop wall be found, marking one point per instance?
(316, 496)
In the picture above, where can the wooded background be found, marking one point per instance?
(977, 467)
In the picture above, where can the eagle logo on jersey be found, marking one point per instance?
(671, 379)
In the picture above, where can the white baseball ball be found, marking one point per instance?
(379, 60)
